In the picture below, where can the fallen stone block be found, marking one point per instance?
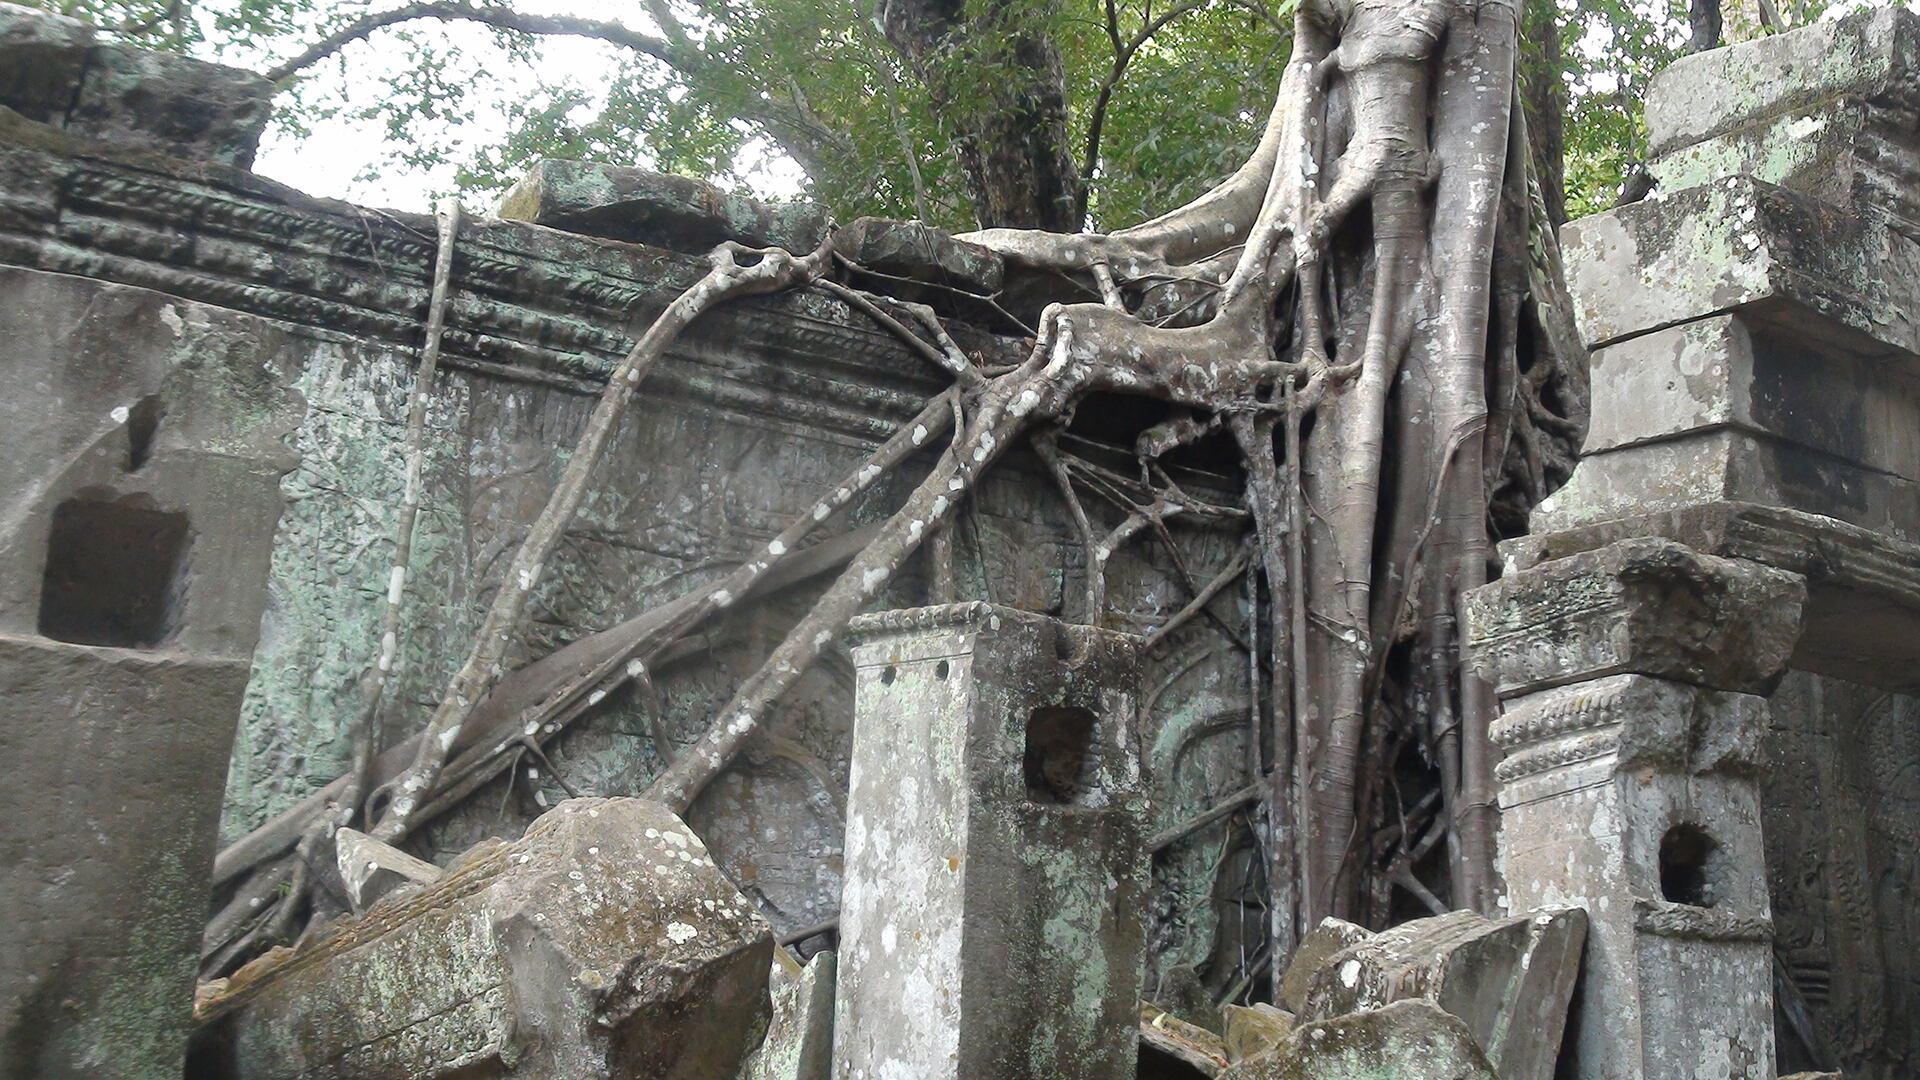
(603, 944)
(1407, 1040)
(1509, 980)
(1330, 937)
(373, 871)
(1254, 1029)
(799, 1042)
(647, 207)
(1170, 1047)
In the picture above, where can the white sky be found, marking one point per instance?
(338, 156)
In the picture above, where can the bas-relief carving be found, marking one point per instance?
(1842, 820)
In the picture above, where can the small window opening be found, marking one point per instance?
(887, 676)
(143, 422)
(1059, 758)
(1690, 864)
(941, 670)
(115, 574)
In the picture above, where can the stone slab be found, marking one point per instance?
(640, 205)
(1407, 1040)
(604, 943)
(799, 1042)
(1724, 371)
(1868, 54)
(111, 798)
(1862, 619)
(1730, 464)
(54, 71)
(373, 871)
(1646, 606)
(1830, 272)
(1509, 980)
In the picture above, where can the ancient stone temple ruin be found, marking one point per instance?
(1001, 830)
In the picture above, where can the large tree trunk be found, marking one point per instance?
(997, 80)
(1543, 93)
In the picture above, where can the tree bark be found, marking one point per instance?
(1543, 93)
(997, 80)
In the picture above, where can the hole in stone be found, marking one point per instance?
(1058, 762)
(142, 423)
(887, 676)
(1691, 864)
(941, 670)
(115, 573)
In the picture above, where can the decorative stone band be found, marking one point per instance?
(969, 615)
(1645, 606)
(1663, 918)
(977, 616)
(1640, 722)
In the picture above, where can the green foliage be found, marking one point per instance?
(814, 80)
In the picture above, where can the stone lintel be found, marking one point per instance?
(1862, 618)
(1867, 55)
(1834, 275)
(1643, 606)
(604, 943)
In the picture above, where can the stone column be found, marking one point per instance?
(1633, 677)
(990, 923)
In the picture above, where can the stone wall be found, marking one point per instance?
(759, 407)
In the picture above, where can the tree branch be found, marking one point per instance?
(505, 19)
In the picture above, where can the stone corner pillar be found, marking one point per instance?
(1633, 678)
(995, 859)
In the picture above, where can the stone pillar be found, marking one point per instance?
(990, 925)
(1633, 677)
(139, 491)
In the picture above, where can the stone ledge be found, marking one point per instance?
(1837, 276)
(1642, 606)
(643, 206)
(1862, 619)
(1868, 54)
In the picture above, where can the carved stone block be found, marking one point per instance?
(604, 943)
(1637, 799)
(1404, 1040)
(991, 918)
(1648, 606)
(1509, 980)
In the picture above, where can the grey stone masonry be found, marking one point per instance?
(144, 446)
(603, 945)
(1629, 786)
(990, 923)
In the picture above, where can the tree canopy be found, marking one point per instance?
(1157, 99)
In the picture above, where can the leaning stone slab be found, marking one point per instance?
(1648, 606)
(920, 252)
(41, 58)
(603, 944)
(643, 206)
(1508, 980)
(1254, 1029)
(1407, 1040)
(799, 1043)
(373, 871)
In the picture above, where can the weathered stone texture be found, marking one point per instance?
(991, 924)
(799, 1042)
(1648, 606)
(372, 871)
(53, 71)
(678, 212)
(1407, 1040)
(144, 451)
(1509, 980)
(605, 943)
